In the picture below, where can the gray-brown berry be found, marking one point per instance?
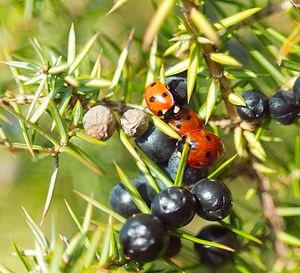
(135, 122)
(99, 122)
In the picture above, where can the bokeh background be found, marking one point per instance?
(24, 182)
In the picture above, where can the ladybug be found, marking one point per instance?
(160, 100)
(185, 121)
(205, 148)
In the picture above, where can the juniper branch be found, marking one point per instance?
(269, 211)
(118, 106)
(216, 69)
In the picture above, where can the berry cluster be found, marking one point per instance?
(145, 237)
(283, 106)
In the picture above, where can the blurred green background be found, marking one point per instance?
(23, 182)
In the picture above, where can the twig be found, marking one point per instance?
(296, 3)
(20, 147)
(268, 206)
(216, 69)
(269, 212)
(118, 106)
(217, 72)
(21, 99)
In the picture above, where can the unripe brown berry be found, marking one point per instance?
(296, 3)
(99, 122)
(135, 122)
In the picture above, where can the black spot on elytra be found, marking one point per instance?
(178, 126)
(152, 84)
(188, 117)
(152, 99)
(159, 113)
(207, 154)
(208, 138)
(164, 94)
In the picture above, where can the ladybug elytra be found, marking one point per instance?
(205, 148)
(159, 99)
(185, 121)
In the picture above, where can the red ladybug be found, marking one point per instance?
(205, 148)
(159, 99)
(185, 121)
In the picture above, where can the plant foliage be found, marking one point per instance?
(226, 47)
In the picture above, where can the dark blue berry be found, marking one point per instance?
(214, 200)
(282, 107)
(157, 145)
(256, 106)
(121, 201)
(175, 207)
(144, 238)
(177, 86)
(212, 255)
(191, 175)
(296, 91)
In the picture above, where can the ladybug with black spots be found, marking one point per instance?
(205, 148)
(185, 121)
(160, 100)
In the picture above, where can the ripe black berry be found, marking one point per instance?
(175, 207)
(256, 106)
(177, 86)
(121, 201)
(157, 145)
(191, 175)
(213, 199)
(296, 91)
(212, 255)
(282, 107)
(144, 238)
(174, 247)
